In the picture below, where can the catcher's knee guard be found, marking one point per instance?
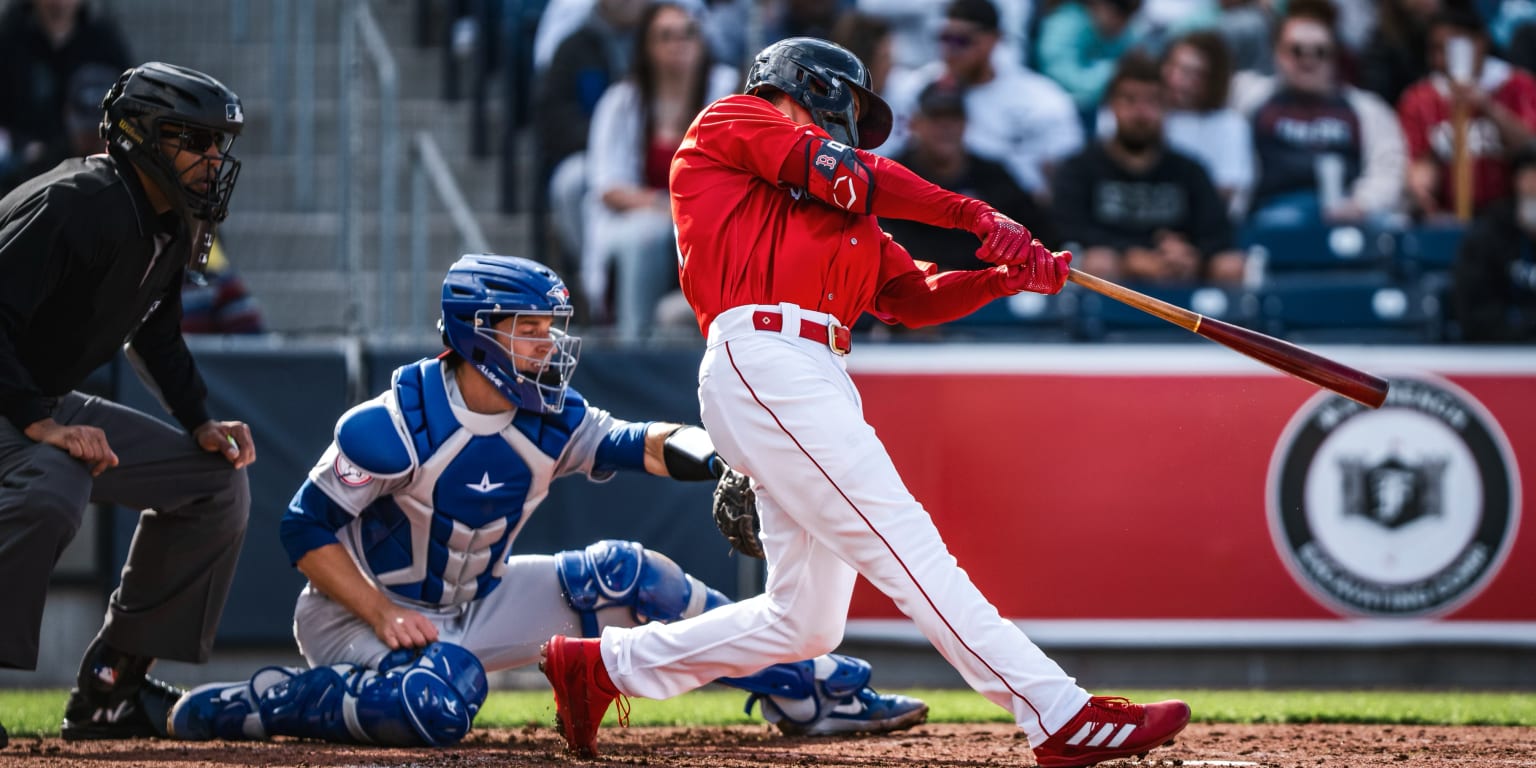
(414, 699)
(624, 573)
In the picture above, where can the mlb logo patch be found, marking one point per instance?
(233, 114)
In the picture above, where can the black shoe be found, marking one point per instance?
(139, 714)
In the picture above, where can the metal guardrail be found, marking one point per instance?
(428, 165)
(358, 24)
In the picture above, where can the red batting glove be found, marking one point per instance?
(1003, 240)
(1042, 270)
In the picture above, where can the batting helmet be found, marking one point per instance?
(828, 80)
(481, 290)
(155, 103)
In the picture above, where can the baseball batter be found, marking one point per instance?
(405, 525)
(780, 252)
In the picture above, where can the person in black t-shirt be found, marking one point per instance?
(936, 151)
(1494, 281)
(1131, 208)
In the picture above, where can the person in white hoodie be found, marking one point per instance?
(1327, 152)
(636, 128)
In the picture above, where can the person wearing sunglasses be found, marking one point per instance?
(93, 255)
(1015, 117)
(1327, 152)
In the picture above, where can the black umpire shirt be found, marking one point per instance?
(86, 266)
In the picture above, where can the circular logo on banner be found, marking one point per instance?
(1406, 510)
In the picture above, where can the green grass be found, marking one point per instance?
(31, 713)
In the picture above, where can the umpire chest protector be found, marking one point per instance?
(469, 483)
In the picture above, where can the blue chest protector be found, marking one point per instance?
(444, 537)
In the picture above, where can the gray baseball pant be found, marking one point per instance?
(182, 559)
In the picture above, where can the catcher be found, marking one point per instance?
(405, 525)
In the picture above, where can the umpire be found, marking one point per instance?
(92, 256)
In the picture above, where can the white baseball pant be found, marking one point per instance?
(783, 410)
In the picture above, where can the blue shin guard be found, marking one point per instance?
(826, 695)
(425, 698)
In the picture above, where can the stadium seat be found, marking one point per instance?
(1026, 317)
(1279, 250)
(1430, 248)
(1346, 309)
(1099, 318)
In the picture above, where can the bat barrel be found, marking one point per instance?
(1306, 365)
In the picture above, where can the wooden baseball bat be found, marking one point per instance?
(1359, 386)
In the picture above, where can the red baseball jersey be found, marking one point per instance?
(1425, 114)
(745, 237)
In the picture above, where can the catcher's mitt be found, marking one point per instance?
(736, 513)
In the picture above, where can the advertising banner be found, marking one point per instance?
(1194, 496)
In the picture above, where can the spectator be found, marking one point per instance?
(81, 120)
(914, 22)
(1165, 20)
(1197, 78)
(1397, 54)
(869, 38)
(1015, 117)
(1494, 282)
(584, 65)
(1132, 207)
(937, 152)
(1501, 106)
(217, 301)
(1080, 43)
(800, 18)
(1248, 27)
(1306, 121)
(42, 44)
(638, 126)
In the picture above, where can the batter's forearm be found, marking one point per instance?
(331, 570)
(916, 300)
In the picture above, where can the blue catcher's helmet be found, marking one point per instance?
(529, 361)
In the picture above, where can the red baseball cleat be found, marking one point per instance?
(1110, 727)
(582, 691)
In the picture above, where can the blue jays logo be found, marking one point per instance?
(1409, 510)
(560, 294)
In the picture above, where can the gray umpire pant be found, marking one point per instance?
(183, 554)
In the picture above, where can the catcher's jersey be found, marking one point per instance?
(427, 495)
(743, 239)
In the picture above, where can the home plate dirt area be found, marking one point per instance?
(948, 746)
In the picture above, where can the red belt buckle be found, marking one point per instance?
(839, 340)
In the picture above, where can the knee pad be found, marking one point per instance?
(613, 572)
(415, 698)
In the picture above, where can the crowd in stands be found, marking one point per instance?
(1241, 145)
(1166, 142)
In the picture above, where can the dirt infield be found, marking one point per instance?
(951, 746)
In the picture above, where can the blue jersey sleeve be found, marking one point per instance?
(311, 521)
(622, 448)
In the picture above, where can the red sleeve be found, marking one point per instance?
(916, 293)
(747, 133)
(894, 191)
(1416, 114)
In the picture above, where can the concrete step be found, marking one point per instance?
(162, 24)
(284, 242)
(448, 122)
(267, 184)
